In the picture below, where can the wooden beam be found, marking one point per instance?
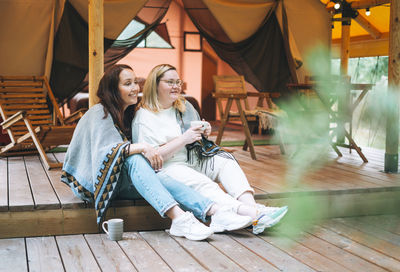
(363, 38)
(363, 46)
(367, 48)
(96, 47)
(344, 49)
(362, 4)
(344, 64)
(392, 118)
(370, 28)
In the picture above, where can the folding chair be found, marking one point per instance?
(232, 88)
(28, 120)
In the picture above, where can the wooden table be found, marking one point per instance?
(329, 99)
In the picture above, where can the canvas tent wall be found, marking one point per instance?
(28, 27)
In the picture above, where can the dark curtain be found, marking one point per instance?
(71, 48)
(261, 58)
(71, 53)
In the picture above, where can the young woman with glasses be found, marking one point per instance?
(163, 121)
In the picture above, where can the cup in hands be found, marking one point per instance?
(203, 124)
(115, 228)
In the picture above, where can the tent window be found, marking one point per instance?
(158, 38)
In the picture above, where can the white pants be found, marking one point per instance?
(226, 171)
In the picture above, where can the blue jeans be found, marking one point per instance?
(162, 192)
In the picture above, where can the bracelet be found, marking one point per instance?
(127, 150)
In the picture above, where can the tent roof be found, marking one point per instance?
(379, 19)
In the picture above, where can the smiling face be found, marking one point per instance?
(167, 95)
(128, 87)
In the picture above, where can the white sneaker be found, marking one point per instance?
(188, 226)
(268, 218)
(268, 209)
(225, 219)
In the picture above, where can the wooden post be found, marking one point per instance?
(96, 47)
(392, 118)
(344, 64)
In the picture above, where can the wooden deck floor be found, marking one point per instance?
(32, 197)
(343, 244)
(33, 201)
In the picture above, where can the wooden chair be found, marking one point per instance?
(29, 122)
(340, 105)
(232, 88)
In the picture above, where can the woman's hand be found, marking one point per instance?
(207, 131)
(191, 135)
(153, 156)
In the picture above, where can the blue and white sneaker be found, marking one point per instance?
(268, 217)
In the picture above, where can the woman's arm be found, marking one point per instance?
(191, 135)
(150, 153)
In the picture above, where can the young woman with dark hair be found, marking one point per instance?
(102, 164)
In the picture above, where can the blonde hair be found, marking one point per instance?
(150, 94)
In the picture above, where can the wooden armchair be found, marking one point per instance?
(232, 88)
(28, 120)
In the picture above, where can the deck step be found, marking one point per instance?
(302, 206)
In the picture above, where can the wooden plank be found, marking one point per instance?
(3, 185)
(76, 254)
(371, 230)
(43, 254)
(24, 107)
(302, 253)
(351, 165)
(20, 196)
(139, 218)
(21, 90)
(23, 101)
(368, 240)
(64, 193)
(43, 193)
(13, 255)
(143, 257)
(31, 223)
(108, 254)
(171, 252)
(240, 254)
(8, 96)
(357, 249)
(390, 222)
(268, 252)
(333, 252)
(28, 112)
(80, 221)
(278, 173)
(208, 256)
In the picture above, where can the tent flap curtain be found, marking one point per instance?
(71, 54)
(70, 59)
(261, 58)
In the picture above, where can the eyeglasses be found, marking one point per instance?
(171, 82)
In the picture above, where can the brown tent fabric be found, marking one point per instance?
(71, 53)
(70, 61)
(262, 57)
(27, 29)
(117, 13)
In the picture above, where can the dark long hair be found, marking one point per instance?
(110, 98)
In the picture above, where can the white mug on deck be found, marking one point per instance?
(115, 228)
(203, 124)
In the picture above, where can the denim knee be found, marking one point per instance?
(148, 184)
